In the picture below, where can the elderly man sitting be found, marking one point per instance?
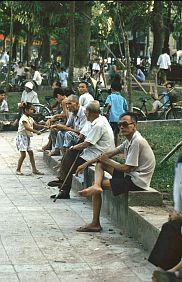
(68, 133)
(99, 139)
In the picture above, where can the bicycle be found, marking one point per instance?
(43, 111)
(168, 110)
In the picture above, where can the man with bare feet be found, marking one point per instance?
(134, 174)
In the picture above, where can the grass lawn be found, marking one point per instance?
(162, 139)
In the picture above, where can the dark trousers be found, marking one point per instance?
(167, 251)
(66, 163)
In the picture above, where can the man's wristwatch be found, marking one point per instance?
(71, 148)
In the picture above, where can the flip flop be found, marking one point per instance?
(88, 229)
(165, 276)
(19, 173)
(37, 172)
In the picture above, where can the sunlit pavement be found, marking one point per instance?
(39, 241)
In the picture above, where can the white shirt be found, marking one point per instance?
(37, 77)
(21, 128)
(30, 97)
(164, 61)
(138, 153)
(100, 137)
(85, 98)
(96, 66)
(177, 187)
(19, 71)
(4, 106)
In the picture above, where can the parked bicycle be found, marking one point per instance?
(168, 110)
(43, 111)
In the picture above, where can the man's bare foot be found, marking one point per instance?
(90, 228)
(90, 191)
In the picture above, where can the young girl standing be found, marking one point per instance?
(25, 131)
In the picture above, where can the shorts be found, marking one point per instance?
(115, 127)
(23, 143)
(122, 184)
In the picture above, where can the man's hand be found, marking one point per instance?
(103, 158)
(81, 168)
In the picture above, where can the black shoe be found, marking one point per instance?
(53, 196)
(62, 195)
(54, 183)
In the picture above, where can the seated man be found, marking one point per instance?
(99, 139)
(60, 116)
(135, 174)
(167, 252)
(164, 97)
(139, 74)
(68, 133)
(85, 96)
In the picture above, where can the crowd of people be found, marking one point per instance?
(81, 136)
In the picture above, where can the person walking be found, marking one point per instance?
(164, 64)
(25, 132)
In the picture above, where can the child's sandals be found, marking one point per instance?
(19, 172)
(37, 172)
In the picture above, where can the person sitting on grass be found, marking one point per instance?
(25, 132)
(3, 103)
(134, 175)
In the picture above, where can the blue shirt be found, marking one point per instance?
(118, 104)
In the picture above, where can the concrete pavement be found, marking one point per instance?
(38, 241)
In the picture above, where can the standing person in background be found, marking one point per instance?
(25, 131)
(37, 78)
(3, 103)
(85, 96)
(116, 105)
(96, 68)
(63, 77)
(164, 64)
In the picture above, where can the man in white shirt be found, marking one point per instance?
(134, 175)
(85, 96)
(164, 64)
(98, 140)
(37, 78)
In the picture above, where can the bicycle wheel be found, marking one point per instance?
(41, 113)
(174, 113)
(139, 113)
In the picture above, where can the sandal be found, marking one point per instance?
(164, 276)
(37, 172)
(19, 172)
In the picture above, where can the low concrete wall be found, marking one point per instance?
(126, 210)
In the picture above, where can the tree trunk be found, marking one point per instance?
(28, 48)
(15, 45)
(127, 55)
(158, 31)
(168, 25)
(72, 44)
(82, 30)
(46, 48)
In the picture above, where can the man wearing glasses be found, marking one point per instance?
(134, 174)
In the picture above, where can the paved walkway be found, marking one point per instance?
(38, 241)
